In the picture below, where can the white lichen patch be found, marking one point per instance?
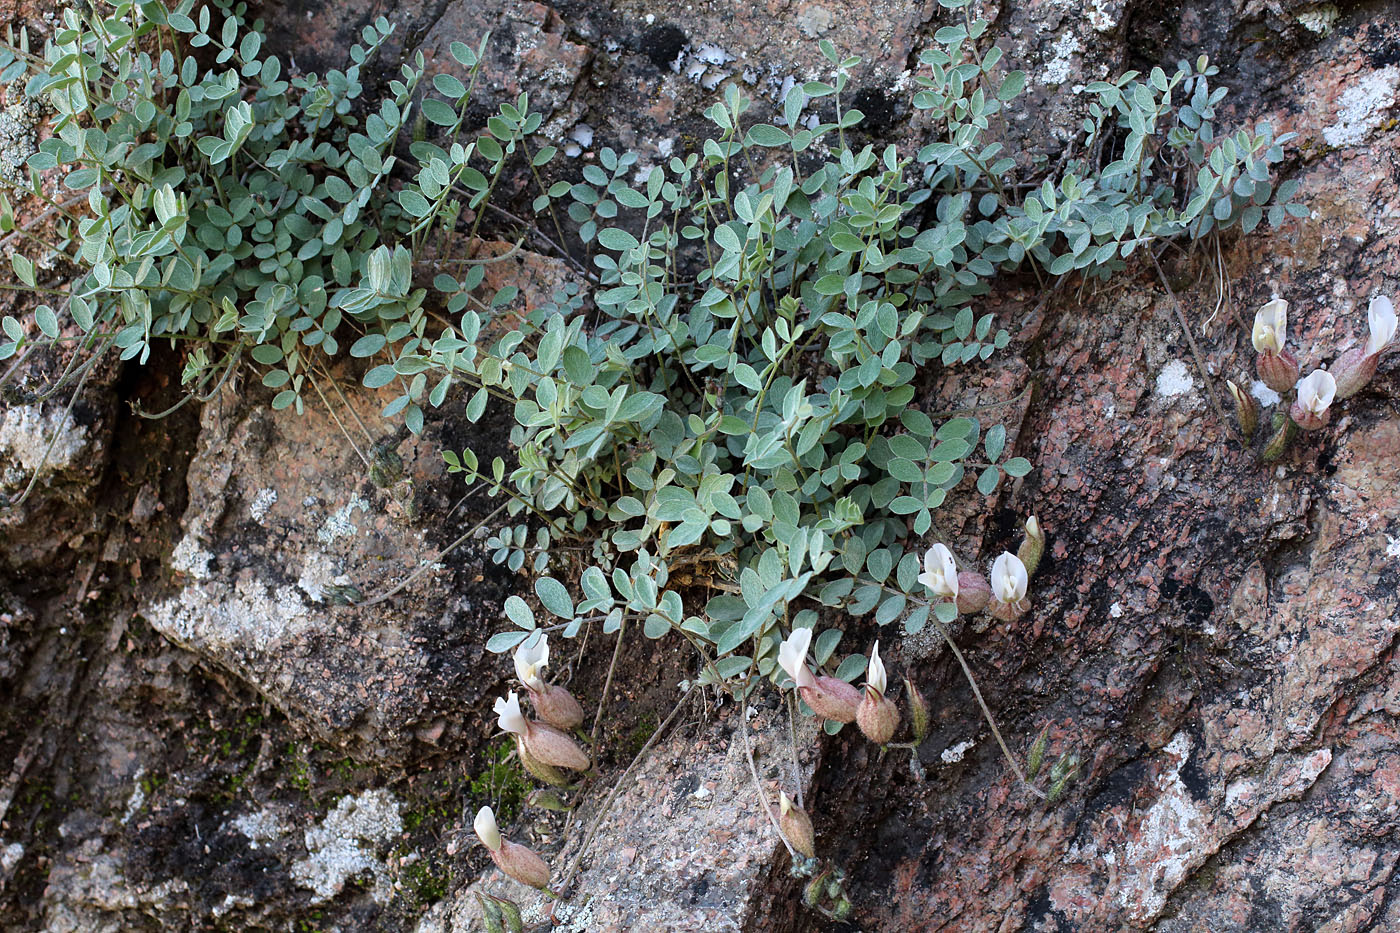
(1165, 846)
(1103, 15)
(955, 753)
(1061, 64)
(26, 432)
(137, 800)
(317, 573)
(262, 502)
(346, 844)
(230, 903)
(261, 827)
(712, 54)
(1263, 394)
(191, 558)
(248, 616)
(1175, 379)
(10, 856)
(575, 917)
(1362, 107)
(341, 523)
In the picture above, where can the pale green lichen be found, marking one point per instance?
(17, 141)
(1320, 19)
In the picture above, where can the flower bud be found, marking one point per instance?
(1356, 367)
(557, 706)
(973, 592)
(522, 864)
(796, 826)
(792, 657)
(508, 714)
(1009, 578)
(831, 698)
(877, 716)
(918, 710)
(1037, 753)
(1315, 394)
(1009, 582)
(1284, 432)
(1279, 371)
(1033, 547)
(1246, 409)
(875, 671)
(828, 697)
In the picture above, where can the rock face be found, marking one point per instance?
(684, 846)
(1213, 638)
(63, 453)
(206, 731)
(285, 524)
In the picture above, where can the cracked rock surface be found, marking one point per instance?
(199, 732)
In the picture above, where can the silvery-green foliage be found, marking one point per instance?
(735, 414)
(731, 408)
(225, 204)
(251, 214)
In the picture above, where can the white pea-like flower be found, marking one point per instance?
(509, 716)
(1271, 327)
(792, 656)
(875, 670)
(1009, 578)
(530, 658)
(1383, 325)
(1316, 391)
(486, 829)
(940, 572)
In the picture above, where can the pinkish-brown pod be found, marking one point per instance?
(832, 698)
(1279, 371)
(1353, 370)
(877, 717)
(557, 707)
(547, 744)
(547, 773)
(521, 863)
(797, 827)
(973, 592)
